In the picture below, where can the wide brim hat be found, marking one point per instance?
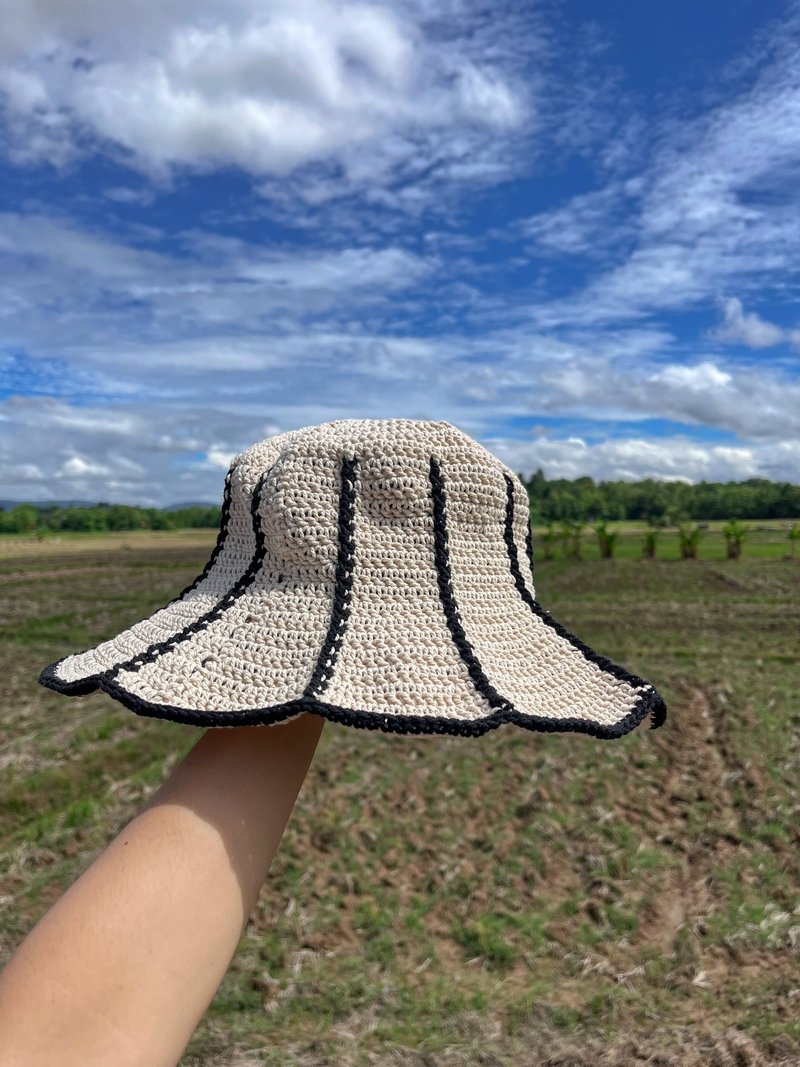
(378, 573)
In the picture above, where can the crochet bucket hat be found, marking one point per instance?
(378, 573)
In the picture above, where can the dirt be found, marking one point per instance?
(516, 827)
(698, 761)
(731, 1048)
(485, 1044)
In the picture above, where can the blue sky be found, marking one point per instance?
(569, 228)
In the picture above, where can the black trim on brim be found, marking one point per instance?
(82, 686)
(397, 724)
(657, 709)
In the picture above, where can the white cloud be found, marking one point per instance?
(170, 454)
(220, 458)
(702, 377)
(124, 194)
(105, 293)
(144, 449)
(756, 404)
(228, 324)
(78, 467)
(185, 345)
(589, 224)
(83, 469)
(750, 329)
(268, 88)
(711, 209)
(29, 472)
(664, 459)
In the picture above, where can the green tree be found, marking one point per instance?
(689, 538)
(794, 537)
(606, 539)
(573, 543)
(734, 533)
(649, 544)
(548, 540)
(662, 503)
(24, 518)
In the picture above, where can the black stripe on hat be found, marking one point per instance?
(447, 597)
(150, 654)
(82, 686)
(340, 612)
(222, 537)
(155, 651)
(658, 708)
(529, 549)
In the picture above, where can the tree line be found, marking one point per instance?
(104, 518)
(551, 500)
(658, 503)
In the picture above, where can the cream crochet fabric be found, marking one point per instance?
(378, 573)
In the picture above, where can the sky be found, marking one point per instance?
(571, 229)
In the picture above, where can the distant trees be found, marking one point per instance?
(606, 540)
(734, 533)
(689, 539)
(102, 518)
(649, 543)
(559, 504)
(571, 539)
(660, 503)
(22, 519)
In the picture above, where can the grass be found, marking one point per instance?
(505, 895)
(764, 539)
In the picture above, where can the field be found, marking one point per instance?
(518, 899)
(766, 539)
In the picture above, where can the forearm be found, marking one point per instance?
(123, 966)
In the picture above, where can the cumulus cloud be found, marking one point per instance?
(168, 454)
(673, 458)
(700, 378)
(754, 404)
(750, 329)
(148, 455)
(264, 88)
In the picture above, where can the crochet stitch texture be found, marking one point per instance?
(378, 573)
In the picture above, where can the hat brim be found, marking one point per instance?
(80, 672)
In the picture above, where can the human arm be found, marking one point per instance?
(123, 966)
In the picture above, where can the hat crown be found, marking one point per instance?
(393, 441)
(298, 479)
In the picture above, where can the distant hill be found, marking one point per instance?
(7, 505)
(192, 504)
